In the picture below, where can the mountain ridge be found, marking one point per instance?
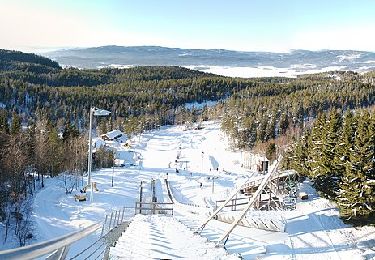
(300, 60)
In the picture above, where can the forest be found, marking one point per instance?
(338, 154)
(44, 121)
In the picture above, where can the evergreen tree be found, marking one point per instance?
(70, 132)
(15, 126)
(329, 177)
(357, 195)
(283, 123)
(271, 151)
(270, 129)
(316, 146)
(4, 127)
(298, 157)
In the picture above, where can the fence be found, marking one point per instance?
(235, 202)
(154, 208)
(111, 229)
(58, 247)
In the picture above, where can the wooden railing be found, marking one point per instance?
(154, 208)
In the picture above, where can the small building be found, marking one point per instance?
(114, 135)
(254, 162)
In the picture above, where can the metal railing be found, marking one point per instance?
(58, 248)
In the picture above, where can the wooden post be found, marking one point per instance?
(140, 198)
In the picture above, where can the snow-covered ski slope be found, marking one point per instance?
(161, 237)
(313, 230)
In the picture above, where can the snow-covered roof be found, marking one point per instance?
(114, 134)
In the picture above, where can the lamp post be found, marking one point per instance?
(93, 112)
(213, 183)
(113, 165)
(202, 160)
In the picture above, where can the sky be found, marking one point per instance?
(244, 25)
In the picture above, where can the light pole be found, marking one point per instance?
(213, 183)
(202, 160)
(113, 165)
(93, 112)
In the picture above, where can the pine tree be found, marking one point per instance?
(299, 157)
(54, 148)
(4, 127)
(70, 132)
(261, 131)
(357, 195)
(315, 147)
(15, 126)
(329, 177)
(283, 123)
(270, 129)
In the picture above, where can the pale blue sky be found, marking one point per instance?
(259, 25)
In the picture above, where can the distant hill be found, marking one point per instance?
(16, 60)
(201, 59)
(32, 68)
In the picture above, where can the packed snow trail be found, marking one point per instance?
(161, 237)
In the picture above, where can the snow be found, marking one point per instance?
(115, 66)
(150, 237)
(350, 57)
(265, 71)
(196, 105)
(116, 134)
(312, 231)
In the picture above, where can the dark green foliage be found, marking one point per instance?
(357, 200)
(15, 126)
(4, 127)
(13, 60)
(339, 157)
(328, 175)
(70, 132)
(294, 103)
(298, 157)
(271, 151)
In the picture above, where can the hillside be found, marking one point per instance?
(218, 61)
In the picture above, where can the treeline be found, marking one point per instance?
(266, 111)
(26, 156)
(338, 154)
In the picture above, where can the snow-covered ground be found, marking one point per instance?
(313, 230)
(160, 237)
(267, 71)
